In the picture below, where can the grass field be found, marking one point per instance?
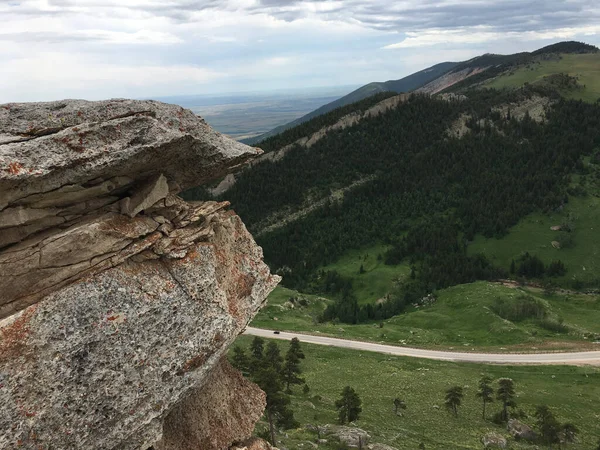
(460, 319)
(377, 280)
(585, 67)
(533, 235)
(571, 392)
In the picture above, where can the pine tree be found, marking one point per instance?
(454, 397)
(485, 391)
(547, 425)
(348, 406)
(240, 360)
(506, 394)
(268, 376)
(273, 358)
(291, 369)
(256, 353)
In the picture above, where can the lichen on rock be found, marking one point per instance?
(119, 299)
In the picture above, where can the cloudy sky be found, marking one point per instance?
(51, 49)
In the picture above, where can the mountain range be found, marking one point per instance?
(437, 78)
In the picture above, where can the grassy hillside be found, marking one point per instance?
(406, 84)
(462, 318)
(580, 251)
(571, 392)
(533, 235)
(584, 67)
(376, 279)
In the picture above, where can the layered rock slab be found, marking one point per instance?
(119, 299)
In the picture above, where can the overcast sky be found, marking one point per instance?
(52, 49)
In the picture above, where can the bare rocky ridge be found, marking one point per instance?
(449, 79)
(119, 298)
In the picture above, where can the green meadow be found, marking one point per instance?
(571, 392)
(585, 67)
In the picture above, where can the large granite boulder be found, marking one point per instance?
(521, 431)
(350, 436)
(494, 440)
(119, 299)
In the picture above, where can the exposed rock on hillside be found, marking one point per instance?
(347, 121)
(449, 79)
(350, 436)
(120, 299)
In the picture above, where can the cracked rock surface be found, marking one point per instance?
(118, 300)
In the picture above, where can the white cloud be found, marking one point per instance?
(482, 34)
(48, 76)
(137, 48)
(143, 37)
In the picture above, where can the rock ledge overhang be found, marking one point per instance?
(119, 298)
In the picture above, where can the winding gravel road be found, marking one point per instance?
(575, 358)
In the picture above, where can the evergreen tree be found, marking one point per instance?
(547, 425)
(348, 406)
(291, 369)
(268, 376)
(273, 358)
(454, 397)
(255, 361)
(240, 360)
(485, 392)
(506, 394)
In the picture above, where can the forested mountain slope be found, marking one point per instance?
(406, 84)
(428, 193)
(425, 179)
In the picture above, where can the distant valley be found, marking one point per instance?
(243, 116)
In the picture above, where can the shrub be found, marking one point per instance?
(517, 309)
(553, 325)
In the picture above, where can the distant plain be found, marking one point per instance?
(249, 114)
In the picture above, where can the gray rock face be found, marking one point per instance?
(119, 299)
(519, 430)
(494, 440)
(65, 163)
(351, 436)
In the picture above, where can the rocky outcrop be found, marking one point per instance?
(237, 406)
(521, 431)
(118, 298)
(350, 436)
(449, 79)
(494, 440)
